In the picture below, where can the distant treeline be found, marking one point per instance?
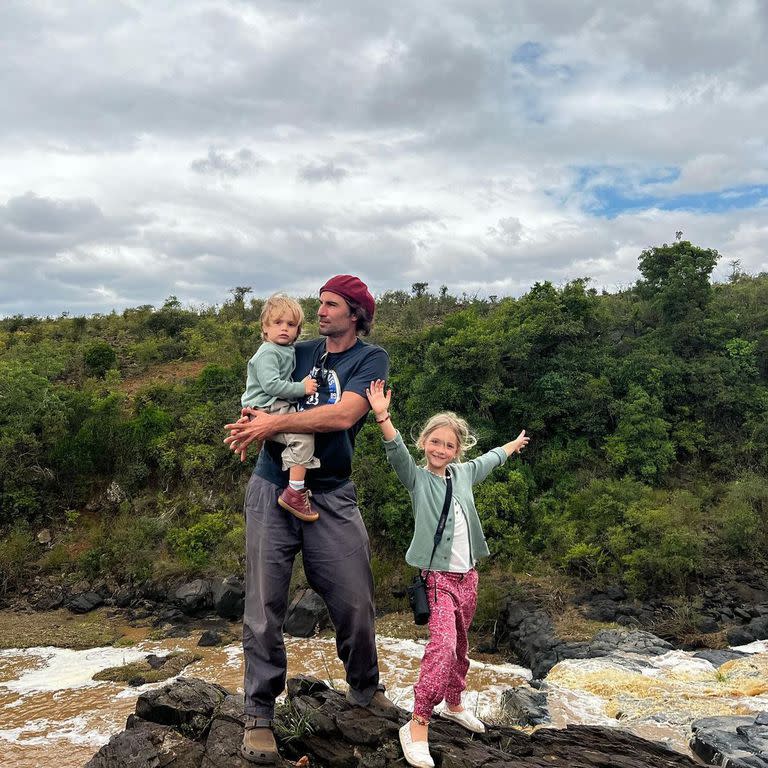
(647, 408)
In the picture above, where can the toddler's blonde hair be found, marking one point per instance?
(275, 306)
(449, 419)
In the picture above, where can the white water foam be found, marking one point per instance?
(76, 730)
(65, 669)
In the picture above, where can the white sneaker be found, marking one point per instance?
(465, 719)
(416, 752)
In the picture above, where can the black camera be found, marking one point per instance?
(417, 597)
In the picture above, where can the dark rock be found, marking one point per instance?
(602, 610)
(331, 732)
(148, 745)
(707, 625)
(759, 627)
(152, 591)
(195, 596)
(85, 602)
(123, 597)
(222, 747)
(306, 614)
(187, 703)
(179, 631)
(740, 636)
(169, 616)
(742, 613)
(50, 600)
(228, 597)
(717, 658)
(732, 741)
(208, 638)
(525, 706)
(616, 592)
(747, 593)
(530, 634)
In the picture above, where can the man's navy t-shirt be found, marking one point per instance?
(349, 371)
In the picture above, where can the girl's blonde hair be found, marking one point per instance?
(449, 419)
(275, 306)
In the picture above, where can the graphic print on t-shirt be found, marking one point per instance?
(329, 389)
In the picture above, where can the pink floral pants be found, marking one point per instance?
(444, 667)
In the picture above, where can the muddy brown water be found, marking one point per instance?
(49, 702)
(50, 705)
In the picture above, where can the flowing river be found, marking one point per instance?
(50, 705)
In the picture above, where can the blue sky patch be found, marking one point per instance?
(609, 192)
(528, 53)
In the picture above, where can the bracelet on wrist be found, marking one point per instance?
(381, 421)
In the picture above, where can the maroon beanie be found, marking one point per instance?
(352, 288)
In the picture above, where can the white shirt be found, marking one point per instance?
(460, 561)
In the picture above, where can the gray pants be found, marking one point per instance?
(299, 448)
(337, 563)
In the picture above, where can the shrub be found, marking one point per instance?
(98, 357)
(194, 545)
(17, 549)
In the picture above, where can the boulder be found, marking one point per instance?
(757, 629)
(85, 602)
(306, 614)
(228, 597)
(732, 741)
(208, 638)
(194, 596)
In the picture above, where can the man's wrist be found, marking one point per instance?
(381, 417)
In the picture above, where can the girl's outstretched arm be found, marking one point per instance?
(516, 445)
(379, 400)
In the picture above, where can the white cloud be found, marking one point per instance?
(185, 148)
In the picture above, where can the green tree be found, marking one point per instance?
(641, 445)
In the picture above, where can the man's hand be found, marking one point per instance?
(252, 425)
(310, 385)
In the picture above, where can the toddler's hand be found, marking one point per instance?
(310, 385)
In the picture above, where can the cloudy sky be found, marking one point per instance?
(163, 147)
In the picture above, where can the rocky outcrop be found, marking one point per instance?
(530, 634)
(733, 742)
(193, 724)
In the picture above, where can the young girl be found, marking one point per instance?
(452, 581)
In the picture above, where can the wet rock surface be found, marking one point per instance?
(524, 705)
(193, 724)
(735, 742)
(530, 634)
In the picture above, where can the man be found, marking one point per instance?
(335, 547)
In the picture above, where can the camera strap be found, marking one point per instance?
(442, 520)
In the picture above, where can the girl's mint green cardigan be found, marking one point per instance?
(428, 495)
